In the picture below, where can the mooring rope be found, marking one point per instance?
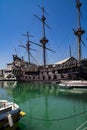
(58, 119)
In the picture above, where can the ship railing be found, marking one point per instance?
(82, 125)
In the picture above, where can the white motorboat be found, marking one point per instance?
(10, 114)
(73, 83)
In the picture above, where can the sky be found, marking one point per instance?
(17, 18)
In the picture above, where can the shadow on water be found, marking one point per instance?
(47, 106)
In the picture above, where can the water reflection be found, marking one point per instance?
(28, 91)
(8, 84)
(47, 106)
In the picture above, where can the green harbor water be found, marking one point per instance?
(47, 107)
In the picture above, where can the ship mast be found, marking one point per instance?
(79, 32)
(43, 41)
(27, 47)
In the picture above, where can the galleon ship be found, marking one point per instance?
(68, 69)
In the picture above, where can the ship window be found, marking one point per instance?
(41, 72)
(53, 71)
(49, 77)
(55, 77)
(33, 77)
(43, 77)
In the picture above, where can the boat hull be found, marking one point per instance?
(67, 70)
(4, 121)
(73, 84)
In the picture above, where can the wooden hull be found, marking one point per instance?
(68, 70)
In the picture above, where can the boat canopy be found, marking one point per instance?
(66, 60)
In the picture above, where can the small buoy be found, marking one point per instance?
(10, 120)
(22, 113)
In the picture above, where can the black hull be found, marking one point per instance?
(65, 74)
(4, 123)
(70, 69)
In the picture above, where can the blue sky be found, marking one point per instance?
(17, 17)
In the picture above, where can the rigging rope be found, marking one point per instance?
(63, 118)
